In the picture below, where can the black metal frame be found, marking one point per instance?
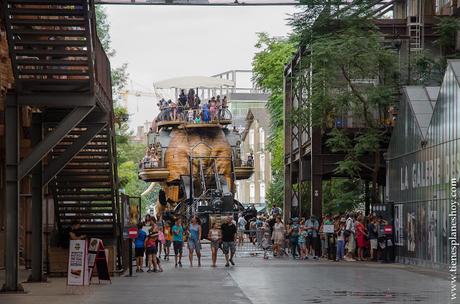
(63, 104)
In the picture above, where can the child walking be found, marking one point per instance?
(152, 250)
(266, 242)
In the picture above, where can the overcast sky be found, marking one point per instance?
(160, 42)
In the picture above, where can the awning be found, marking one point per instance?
(193, 82)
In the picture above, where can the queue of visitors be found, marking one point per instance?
(353, 237)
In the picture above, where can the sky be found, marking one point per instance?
(161, 42)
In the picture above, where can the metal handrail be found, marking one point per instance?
(189, 115)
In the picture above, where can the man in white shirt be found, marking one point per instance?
(351, 243)
(241, 228)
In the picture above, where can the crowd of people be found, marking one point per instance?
(189, 107)
(155, 238)
(351, 237)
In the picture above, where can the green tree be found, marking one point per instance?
(345, 48)
(128, 153)
(268, 66)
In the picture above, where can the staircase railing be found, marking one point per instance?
(102, 70)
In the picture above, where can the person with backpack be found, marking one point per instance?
(312, 227)
(350, 236)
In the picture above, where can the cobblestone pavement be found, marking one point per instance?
(253, 280)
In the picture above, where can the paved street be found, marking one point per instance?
(254, 280)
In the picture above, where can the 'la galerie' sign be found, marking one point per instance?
(428, 173)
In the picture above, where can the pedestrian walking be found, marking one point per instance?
(215, 236)
(168, 239)
(194, 237)
(139, 247)
(278, 236)
(178, 241)
(151, 247)
(228, 240)
(241, 229)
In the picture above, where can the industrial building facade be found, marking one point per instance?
(423, 159)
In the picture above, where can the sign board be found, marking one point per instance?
(388, 229)
(132, 233)
(97, 258)
(77, 266)
(328, 228)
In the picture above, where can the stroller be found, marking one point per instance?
(266, 243)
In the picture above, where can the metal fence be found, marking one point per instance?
(253, 242)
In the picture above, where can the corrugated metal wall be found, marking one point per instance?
(420, 176)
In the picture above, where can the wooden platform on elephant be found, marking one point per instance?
(201, 125)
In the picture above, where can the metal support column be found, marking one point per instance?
(287, 193)
(12, 127)
(316, 174)
(37, 202)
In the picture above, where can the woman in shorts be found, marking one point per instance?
(168, 239)
(194, 237)
(215, 236)
(151, 249)
(178, 241)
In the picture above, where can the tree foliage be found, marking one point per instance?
(351, 73)
(268, 67)
(128, 153)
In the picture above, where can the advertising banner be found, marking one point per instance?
(77, 266)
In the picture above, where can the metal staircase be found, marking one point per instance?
(62, 71)
(85, 188)
(415, 25)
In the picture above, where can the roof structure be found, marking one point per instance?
(193, 82)
(422, 111)
(259, 114)
(422, 100)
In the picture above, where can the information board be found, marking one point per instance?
(77, 266)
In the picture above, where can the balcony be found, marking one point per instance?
(152, 171)
(244, 169)
(185, 117)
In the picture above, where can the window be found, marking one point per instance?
(239, 193)
(262, 193)
(252, 193)
(261, 139)
(262, 167)
(251, 140)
